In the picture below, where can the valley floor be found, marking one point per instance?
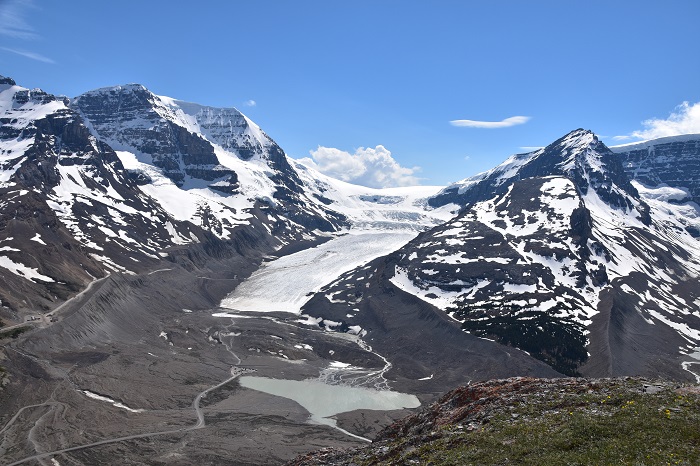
(139, 368)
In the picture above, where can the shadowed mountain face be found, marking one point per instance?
(557, 254)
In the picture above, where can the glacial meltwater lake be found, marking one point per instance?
(323, 400)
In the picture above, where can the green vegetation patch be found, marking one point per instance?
(618, 424)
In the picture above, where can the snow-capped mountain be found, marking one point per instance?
(69, 210)
(121, 178)
(555, 252)
(579, 156)
(207, 159)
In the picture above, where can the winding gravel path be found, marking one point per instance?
(235, 372)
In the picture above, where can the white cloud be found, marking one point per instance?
(32, 55)
(250, 103)
(622, 138)
(12, 22)
(372, 167)
(685, 119)
(512, 121)
(530, 148)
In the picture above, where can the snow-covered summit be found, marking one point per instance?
(579, 156)
(132, 107)
(201, 158)
(227, 127)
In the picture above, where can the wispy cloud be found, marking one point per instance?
(250, 103)
(685, 119)
(13, 24)
(27, 54)
(373, 167)
(530, 148)
(512, 121)
(623, 137)
(12, 19)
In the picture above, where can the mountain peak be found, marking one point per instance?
(578, 155)
(580, 149)
(6, 80)
(578, 138)
(130, 87)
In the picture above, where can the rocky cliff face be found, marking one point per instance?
(196, 146)
(131, 116)
(672, 162)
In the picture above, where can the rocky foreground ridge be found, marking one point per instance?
(526, 420)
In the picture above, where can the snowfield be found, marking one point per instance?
(286, 284)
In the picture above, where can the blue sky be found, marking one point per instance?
(334, 77)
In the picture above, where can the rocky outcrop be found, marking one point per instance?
(673, 161)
